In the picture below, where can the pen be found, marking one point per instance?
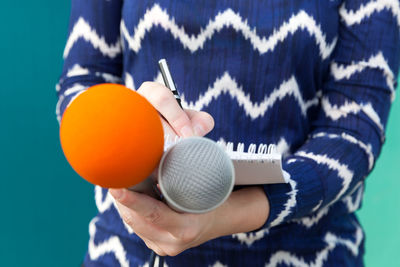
(167, 77)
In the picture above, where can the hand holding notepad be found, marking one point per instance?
(260, 165)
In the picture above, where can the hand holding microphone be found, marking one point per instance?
(113, 137)
(108, 144)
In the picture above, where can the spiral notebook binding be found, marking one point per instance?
(240, 148)
(252, 148)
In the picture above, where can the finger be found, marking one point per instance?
(168, 130)
(148, 232)
(151, 210)
(164, 101)
(156, 236)
(154, 247)
(202, 122)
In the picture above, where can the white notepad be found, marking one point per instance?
(261, 164)
(258, 168)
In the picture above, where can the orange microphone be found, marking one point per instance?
(112, 136)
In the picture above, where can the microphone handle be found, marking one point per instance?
(148, 187)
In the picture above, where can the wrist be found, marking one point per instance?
(245, 210)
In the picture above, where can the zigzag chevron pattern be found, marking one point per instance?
(156, 16)
(354, 204)
(218, 264)
(317, 206)
(227, 19)
(82, 29)
(102, 205)
(282, 147)
(290, 203)
(108, 78)
(227, 85)
(309, 221)
(129, 82)
(351, 17)
(250, 238)
(336, 112)
(58, 108)
(159, 78)
(156, 263)
(77, 70)
(366, 148)
(76, 88)
(111, 245)
(107, 203)
(343, 171)
(332, 241)
(353, 247)
(375, 62)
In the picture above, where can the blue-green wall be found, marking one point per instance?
(380, 213)
(45, 207)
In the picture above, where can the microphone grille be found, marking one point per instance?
(196, 175)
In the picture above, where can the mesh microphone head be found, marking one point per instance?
(196, 175)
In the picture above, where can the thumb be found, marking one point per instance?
(202, 122)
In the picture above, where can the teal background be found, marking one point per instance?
(46, 207)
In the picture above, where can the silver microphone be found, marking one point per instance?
(196, 175)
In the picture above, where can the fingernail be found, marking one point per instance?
(116, 193)
(198, 130)
(186, 131)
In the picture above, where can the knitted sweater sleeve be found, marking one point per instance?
(347, 136)
(93, 53)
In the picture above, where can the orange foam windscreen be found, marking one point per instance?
(112, 136)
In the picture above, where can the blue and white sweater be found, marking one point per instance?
(316, 78)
